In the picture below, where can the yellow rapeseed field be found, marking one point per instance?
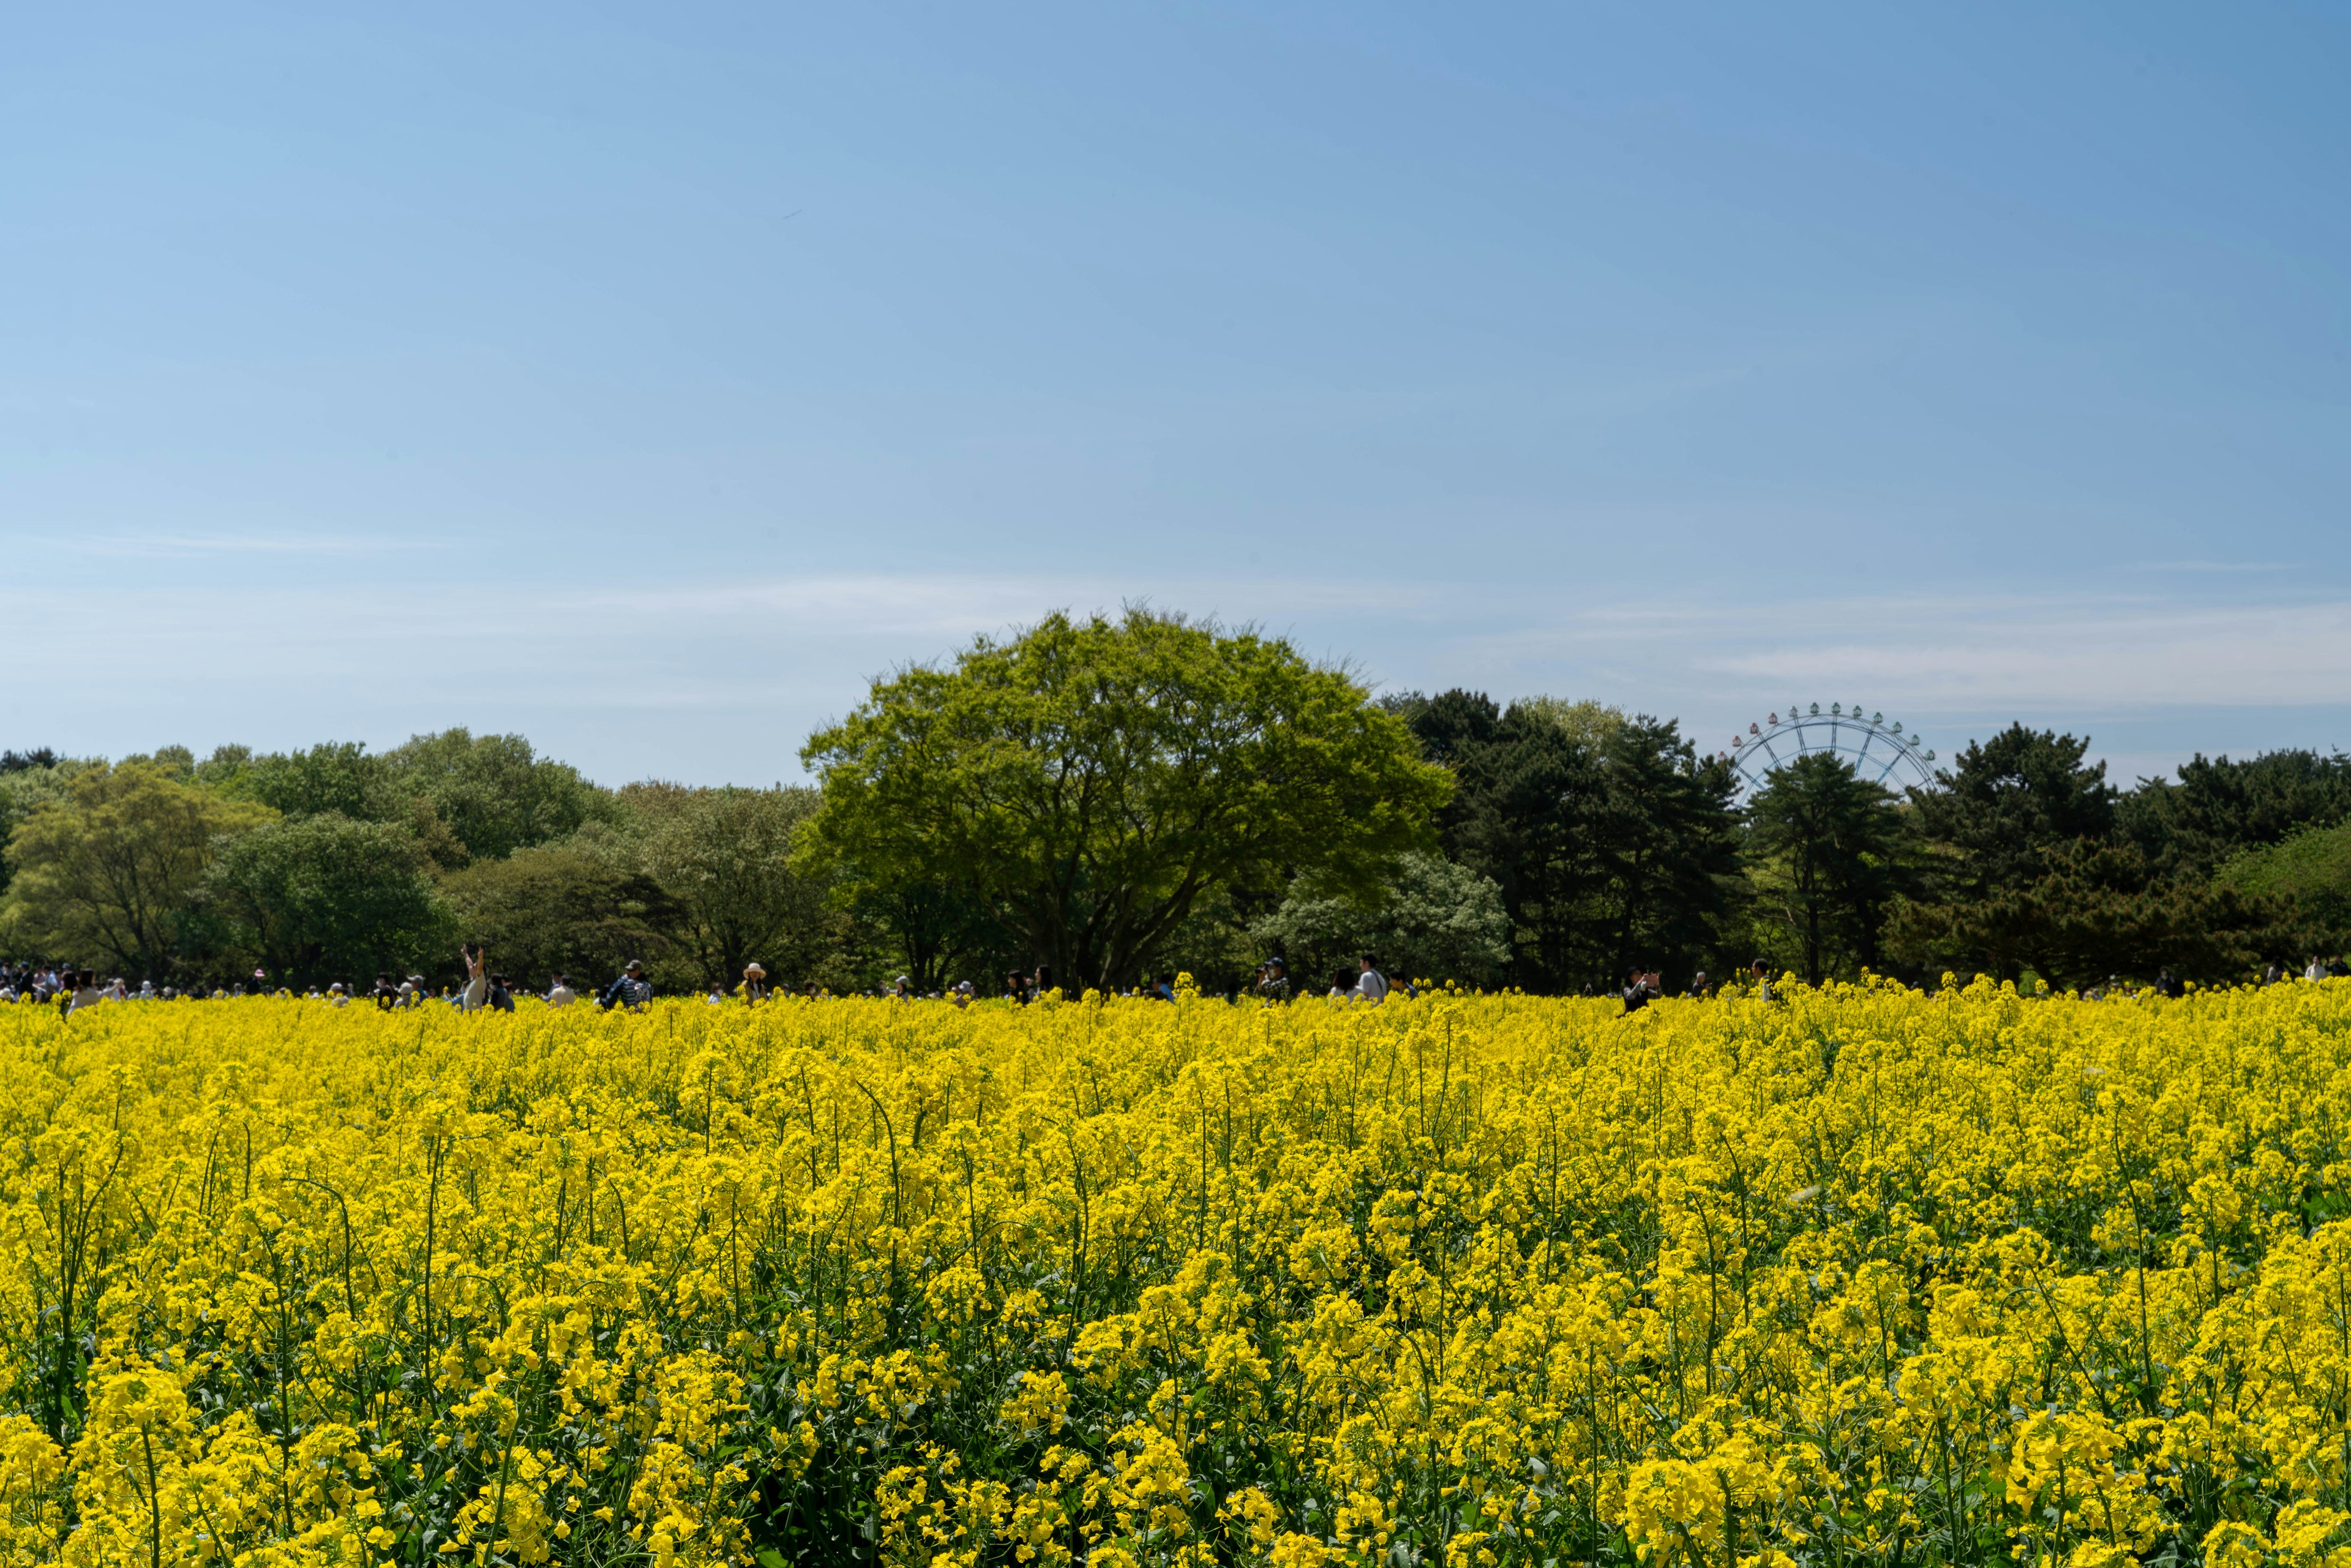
(1861, 1274)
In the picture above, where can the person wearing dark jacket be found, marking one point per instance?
(1640, 988)
(631, 990)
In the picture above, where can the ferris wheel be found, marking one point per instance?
(1878, 752)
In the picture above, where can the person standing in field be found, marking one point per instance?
(1371, 985)
(631, 990)
(755, 984)
(85, 993)
(561, 994)
(1641, 987)
(475, 994)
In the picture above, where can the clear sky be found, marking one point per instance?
(647, 379)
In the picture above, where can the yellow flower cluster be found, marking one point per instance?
(1859, 1274)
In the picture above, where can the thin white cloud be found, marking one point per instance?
(2075, 657)
(879, 603)
(724, 679)
(2202, 567)
(141, 547)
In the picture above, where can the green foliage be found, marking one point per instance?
(2100, 909)
(1118, 797)
(494, 793)
(338, 777)
(724, 857)
(2009, 804)
(108, 870)
(1610, 839)
(1091, 780)
(1825, 846)
(947, 930)
(1585, 722)
(2037, 862)
(25, 789)
(1434, 920)
(571, 908)
(2218, 808)
(320, 897)
(2311, 871)
(1668, 845)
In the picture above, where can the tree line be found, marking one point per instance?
(1114, 797)
(1612, 843)
(340, 863)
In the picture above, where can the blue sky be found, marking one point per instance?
(647, 379)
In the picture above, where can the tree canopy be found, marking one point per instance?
(1091, 779)
(1114, 796)
(566, 909)
(1825, 849)
(320, 897)
(2217, 809)
(1435, 919)
(495, 793)
(725, 857)
(112, 867)
(2008, 804)
(1609, 840)
(2098, 910)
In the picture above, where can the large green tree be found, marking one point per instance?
(110, 870)
(1669, 844)
(724, 857)
(1091, 779)
(33, 782)
(320, 897)
(1610, 839)
(2006, 805)
(566, 908)
(1825, 856)
(494, 793)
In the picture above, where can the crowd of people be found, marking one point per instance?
(1364, 983)
(46, 981)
